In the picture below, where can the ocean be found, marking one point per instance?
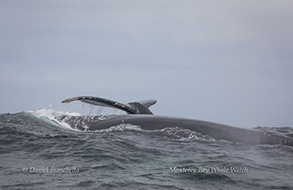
(38, 152)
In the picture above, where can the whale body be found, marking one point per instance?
(140, 115)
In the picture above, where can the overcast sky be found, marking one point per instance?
(224, 61)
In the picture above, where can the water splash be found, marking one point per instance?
(49, 116)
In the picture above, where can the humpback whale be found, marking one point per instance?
(139, 114)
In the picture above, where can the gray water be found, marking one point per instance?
(36, 152)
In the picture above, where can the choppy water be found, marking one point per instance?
(37, 152)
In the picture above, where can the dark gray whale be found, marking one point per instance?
(140, 115)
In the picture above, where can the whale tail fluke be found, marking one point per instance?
(148, 103)
(141, 107)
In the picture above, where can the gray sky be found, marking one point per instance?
(224, 61)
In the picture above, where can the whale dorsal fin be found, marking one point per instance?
(131, 108)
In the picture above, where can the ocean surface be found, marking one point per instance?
(38, 152)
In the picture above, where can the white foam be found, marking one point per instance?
(122, 127)
(184, 134)
(51, 114)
